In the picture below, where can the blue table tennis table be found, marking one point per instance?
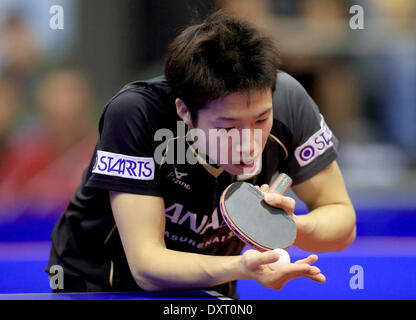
(169, 295)
(387, 266)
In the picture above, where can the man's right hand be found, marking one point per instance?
(255, 265)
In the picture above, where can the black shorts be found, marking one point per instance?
(79, 284)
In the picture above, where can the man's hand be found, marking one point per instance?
(255, 265)
(277, 200)
(330, 223)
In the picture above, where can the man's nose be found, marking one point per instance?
(250, 143)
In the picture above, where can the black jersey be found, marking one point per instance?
(85, 240)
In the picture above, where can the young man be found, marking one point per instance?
(140, 221)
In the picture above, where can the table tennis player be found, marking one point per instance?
(141, 223)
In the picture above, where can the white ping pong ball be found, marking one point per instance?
(283, 260)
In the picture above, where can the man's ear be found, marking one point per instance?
(183, 112)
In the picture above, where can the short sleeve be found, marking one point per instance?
(312, 144)
(124, 153)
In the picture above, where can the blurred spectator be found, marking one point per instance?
(257, 12)
(311, 35)
(50, 44)
(364, 81)
(41, 166)
(19, 52)
(388, 72)
(19, 57)
(9, 109)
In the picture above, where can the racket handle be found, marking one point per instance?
(281, 184)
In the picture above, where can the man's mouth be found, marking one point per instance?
(249, 164)
(246, 165)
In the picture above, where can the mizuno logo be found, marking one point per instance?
(178, 174)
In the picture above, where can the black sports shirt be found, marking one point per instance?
(85, 240)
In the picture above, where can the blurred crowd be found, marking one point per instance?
(47, 122)
(364, 82)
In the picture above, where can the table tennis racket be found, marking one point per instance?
(256, 223)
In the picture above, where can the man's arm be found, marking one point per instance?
(141, 224)
(330, 223)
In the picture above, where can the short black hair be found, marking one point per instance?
(222, 55)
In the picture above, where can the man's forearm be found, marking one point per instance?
(327, 228)
(175, 270)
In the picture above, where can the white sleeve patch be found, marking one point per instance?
(316, 145)
(119, 165)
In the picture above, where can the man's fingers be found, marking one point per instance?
(296, 269)
(256, 259)
(314, 270)
(276, 278)
(279, 201)
(264, 188)
(309, 260)
(317, 277)
(268, 257)
(292, 271)
(301, 270)
(314, 273)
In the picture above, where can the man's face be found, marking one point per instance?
(242, 124)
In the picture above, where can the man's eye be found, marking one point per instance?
(261, 121)
(226, 129)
